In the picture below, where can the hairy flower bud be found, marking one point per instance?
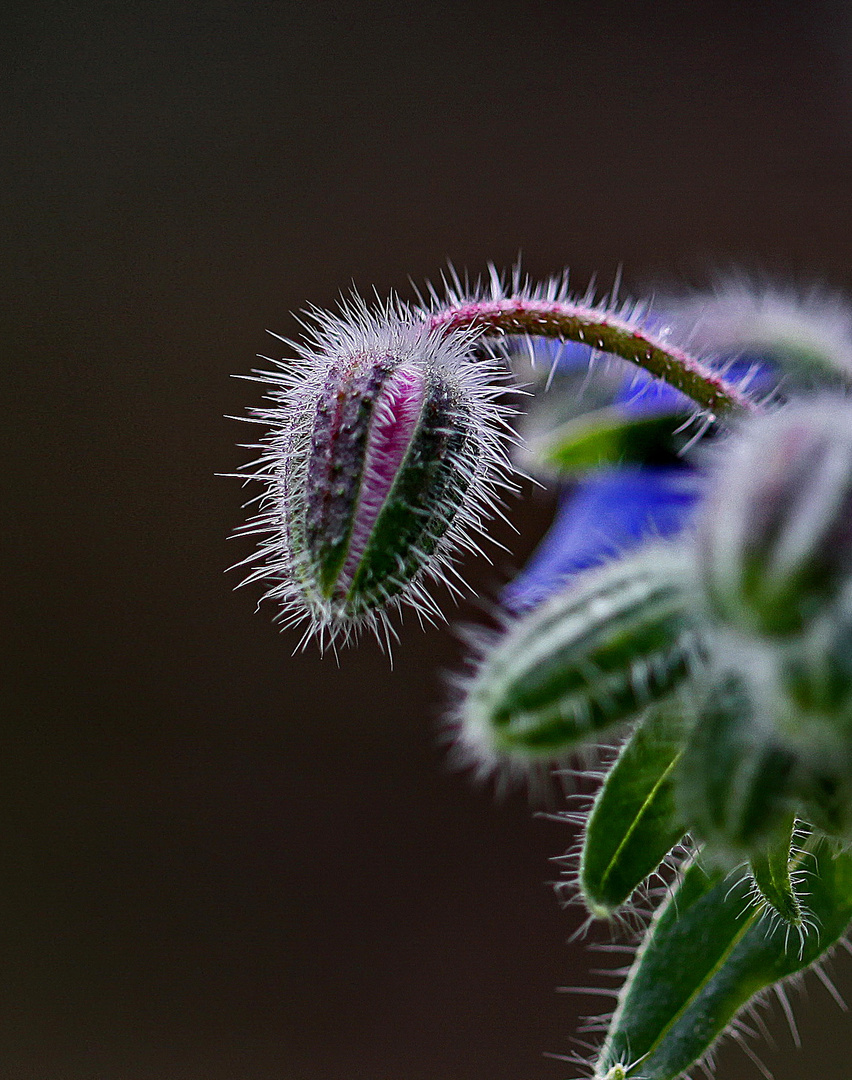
(776, 533)
(613, 641)
(384, 454)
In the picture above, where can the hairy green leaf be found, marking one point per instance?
(709, 951)
(634, 822)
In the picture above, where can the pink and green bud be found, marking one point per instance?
(391, 458)
(385, 453)
(385, 445)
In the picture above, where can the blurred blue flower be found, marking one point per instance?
(612, 509)
(604, 515)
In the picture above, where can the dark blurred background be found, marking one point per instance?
(218, 860)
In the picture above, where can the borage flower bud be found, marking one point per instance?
(776, 533)
(384, 455)
(614, 640)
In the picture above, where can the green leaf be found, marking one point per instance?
(771, 873)
(707, 953)
(634, 822)
(608, 437)
(617, 639)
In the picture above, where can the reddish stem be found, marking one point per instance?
(604, 331)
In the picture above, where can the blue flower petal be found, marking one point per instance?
(603, 516)
(614, 509)
(565, 356)
(643, 395)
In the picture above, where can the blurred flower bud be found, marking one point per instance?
(775, 535)
(816, 669)
(735, 775)
(772, 737)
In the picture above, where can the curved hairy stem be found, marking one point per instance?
(601, 329)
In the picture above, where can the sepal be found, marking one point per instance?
(608, 436)
(775, 886)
